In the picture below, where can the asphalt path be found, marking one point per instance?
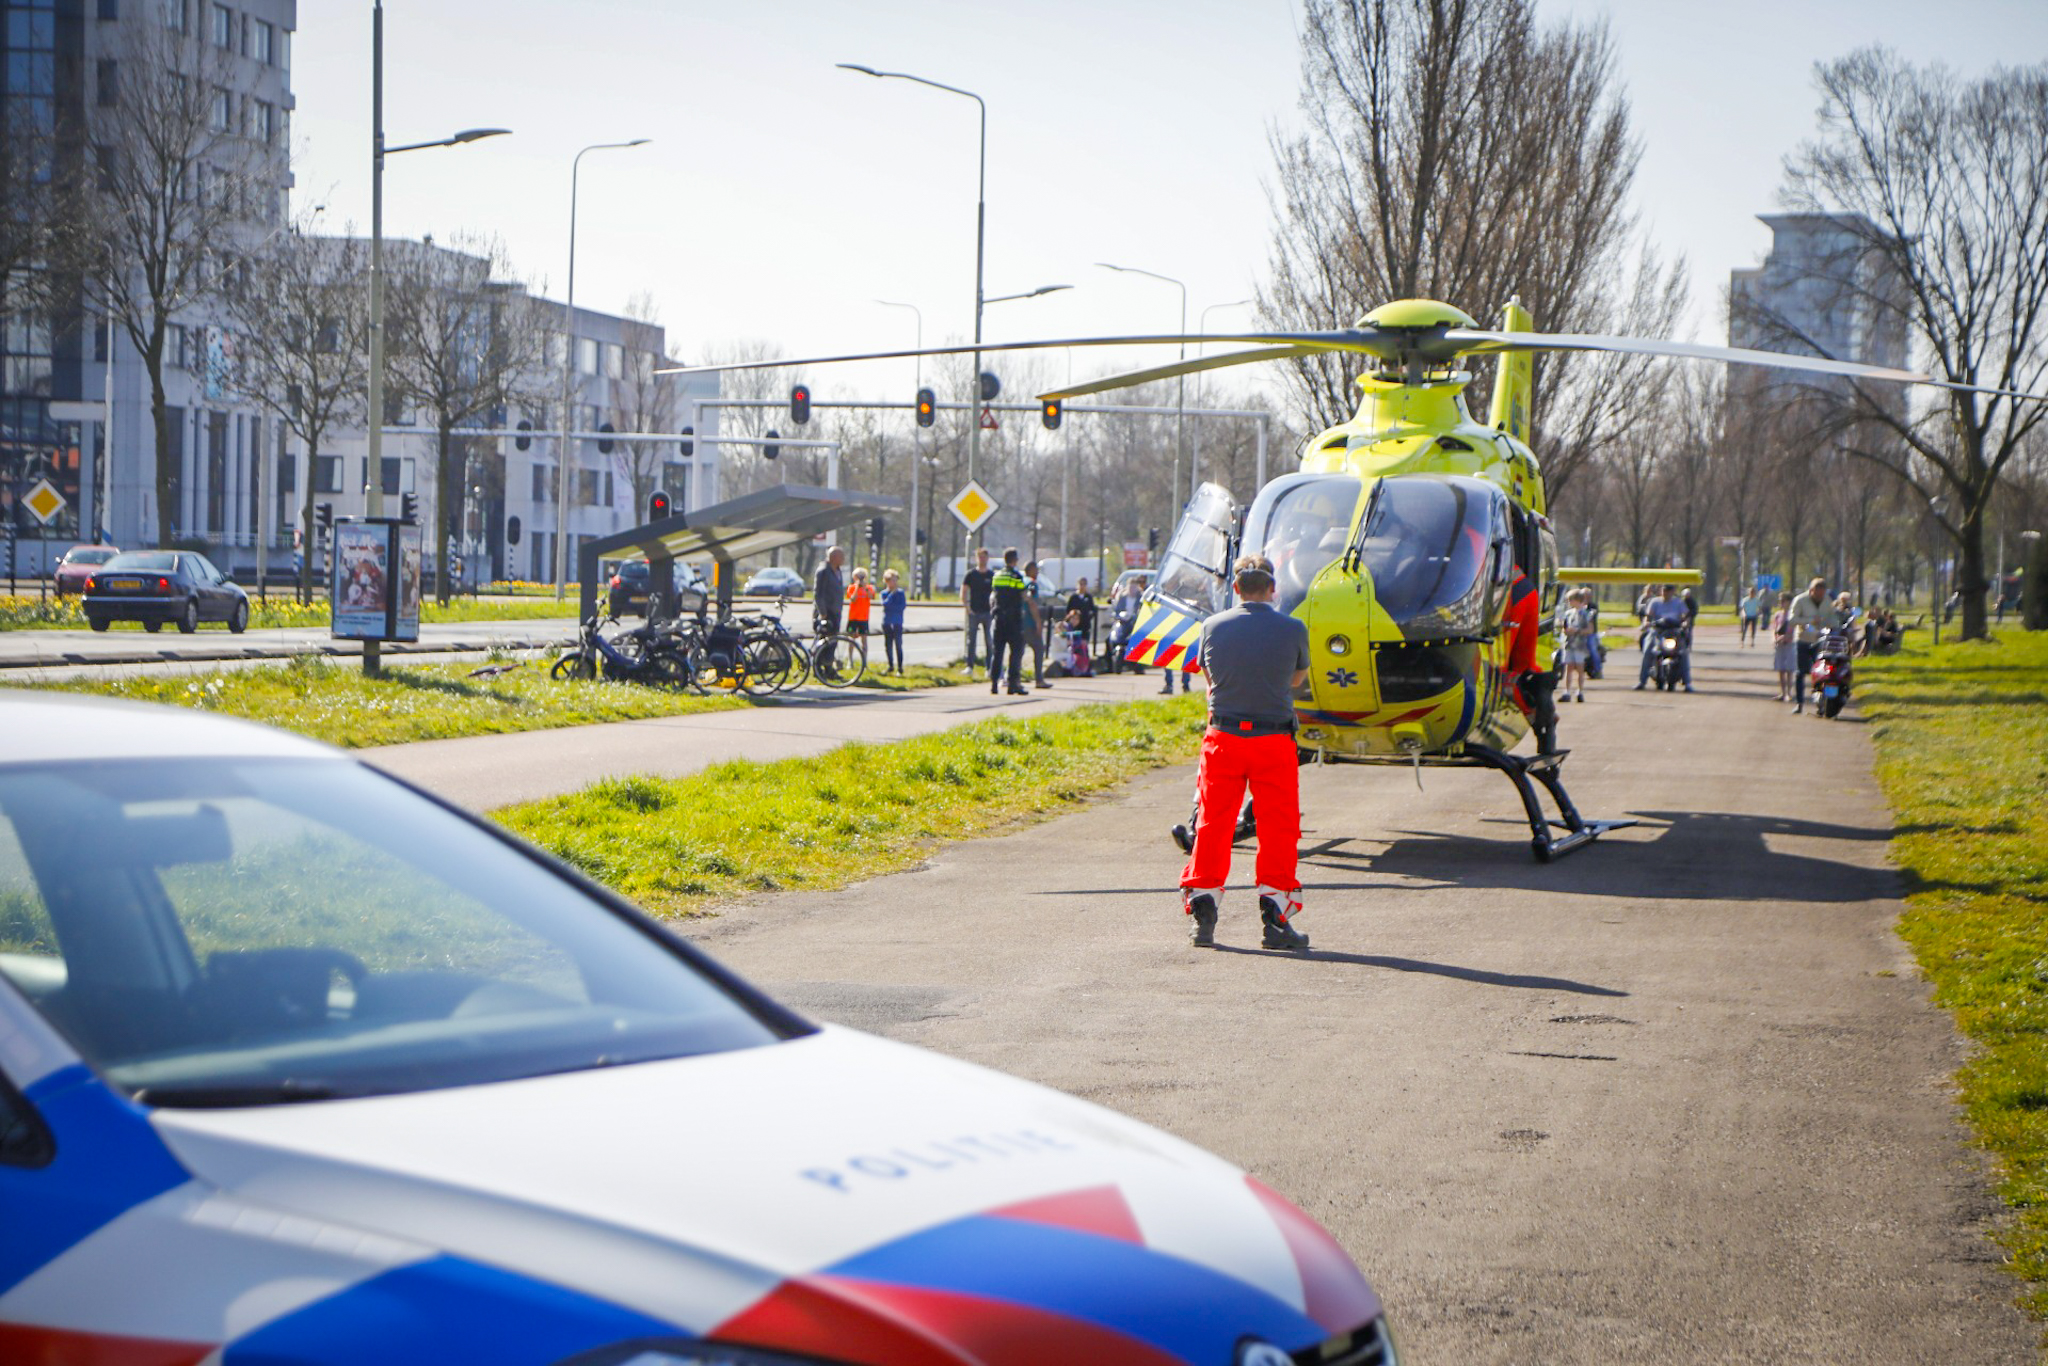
(1676, 1098)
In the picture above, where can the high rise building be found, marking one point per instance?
(1816, 292)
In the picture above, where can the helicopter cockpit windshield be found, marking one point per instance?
(1435, 548)
(1301, 522)
(1195, 571)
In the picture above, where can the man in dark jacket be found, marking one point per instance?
(828, 598)
(1007, 596)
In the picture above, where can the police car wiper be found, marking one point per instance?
(288, 1091)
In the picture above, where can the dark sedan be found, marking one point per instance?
(158, 586)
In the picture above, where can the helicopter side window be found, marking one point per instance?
(1301, 524)
(1195, 571)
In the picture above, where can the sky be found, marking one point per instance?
(780, 197)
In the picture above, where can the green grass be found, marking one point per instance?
(330, 700)
(25, 613)
(675, 845)
(1962, 741)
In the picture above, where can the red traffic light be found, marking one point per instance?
(800, 404)
(658, 506)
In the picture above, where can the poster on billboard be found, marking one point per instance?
(362, 580)
(405, 624)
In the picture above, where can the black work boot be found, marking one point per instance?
(1184, 838)
(1275, 910)
(1201, 909)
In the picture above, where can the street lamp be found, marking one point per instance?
(916, 442)
(1181, 402)
(373, 502)
(1027, 294)
(564, 451)
(980, 240)
(1195, 456)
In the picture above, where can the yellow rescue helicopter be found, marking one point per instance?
(1414, 541)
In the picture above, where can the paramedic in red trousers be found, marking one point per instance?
(1254, 657)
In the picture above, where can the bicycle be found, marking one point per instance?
(640, 655)
(839, 661)
(765, 630)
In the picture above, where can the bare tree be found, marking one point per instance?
(643, 401)
(30, 202)
(173, 192)
(1462, 150)
(303, 313)
(1941, 187)
(466, 344)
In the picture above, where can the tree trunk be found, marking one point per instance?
(308, 535)
(1970, 567)
(160, 417)
(445, 505)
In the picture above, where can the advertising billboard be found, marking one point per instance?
(375, 593)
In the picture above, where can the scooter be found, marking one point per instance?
(1832, 674)
(1666, 643)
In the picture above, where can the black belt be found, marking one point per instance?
(1249, 726)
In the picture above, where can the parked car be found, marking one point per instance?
(306, 1067)
(628, 585)
(77, 566)
(776, 582)
(158, 586)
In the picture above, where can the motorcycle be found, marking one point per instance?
(648, 654)
(1665, 640)
(1832, 673)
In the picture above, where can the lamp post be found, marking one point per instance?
(1180, 418)
(980, 241)
(373, 501)
(1195, 456)
(916, 441)
(564, 450)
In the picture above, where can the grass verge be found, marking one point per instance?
(330, 700)
(21, 613)
(675, 845)
(1962, 755)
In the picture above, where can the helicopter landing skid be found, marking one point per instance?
(1520, 769)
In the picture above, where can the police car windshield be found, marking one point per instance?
(212, 932)
(1424, 543)
(1300, 522)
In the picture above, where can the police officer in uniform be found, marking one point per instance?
(1007, 594)
(1254, 657)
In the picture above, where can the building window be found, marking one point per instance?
(110, 9)
(594, 487)
(614, 360)
(586, 356)
(223, 111)
(224, 27)
(176, 16)
(107, 82)
(262, 41)
(543, 489)
(263, 118)
(327, 474)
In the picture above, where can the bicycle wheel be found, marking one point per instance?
(839, 661)
(799, 662)
(575, 664)
(764, 666)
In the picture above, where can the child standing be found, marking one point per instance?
(860, 601)
(894, 600)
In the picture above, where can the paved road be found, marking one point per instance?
(487, 771)
(1677, 1098)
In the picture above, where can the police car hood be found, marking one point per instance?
(777, 1194)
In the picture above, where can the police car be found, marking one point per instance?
(301, 1067)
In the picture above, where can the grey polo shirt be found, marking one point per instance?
(1250, 654)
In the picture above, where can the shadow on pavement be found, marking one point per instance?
(1476, 975)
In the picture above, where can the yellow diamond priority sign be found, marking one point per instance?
(972, 506)
(44, 501)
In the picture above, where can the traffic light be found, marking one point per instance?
(990, 386)
(605, 447)
(800, 404)
(771, 450)
(511, 531)
(524, 443)
(927, 407)
(658, 505)
(877, 529)
(1152, 541)
(1049, 414)
(323, 513)
(687, 444)
(409, 507)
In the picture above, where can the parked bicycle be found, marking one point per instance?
(645, 654)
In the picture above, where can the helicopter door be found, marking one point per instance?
(1194, 573)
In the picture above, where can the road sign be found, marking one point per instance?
(972, 506)
(988, 419)
(44, 501)
(1732, 541)
(1136, 555)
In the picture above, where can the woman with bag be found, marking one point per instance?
(1784, 649)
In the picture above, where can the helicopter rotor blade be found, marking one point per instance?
(1124, 381)
(1369, 341)
(1487, 343)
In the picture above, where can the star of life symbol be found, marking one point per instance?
(1342, 678)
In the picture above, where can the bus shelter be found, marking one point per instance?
(727, 532)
